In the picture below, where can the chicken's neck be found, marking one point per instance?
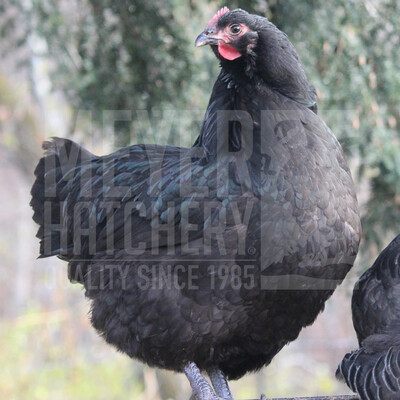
(231, 122)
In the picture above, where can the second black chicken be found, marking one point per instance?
(373, 371)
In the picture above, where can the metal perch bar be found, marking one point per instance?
(346, 397)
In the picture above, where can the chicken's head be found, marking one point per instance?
(230, 33)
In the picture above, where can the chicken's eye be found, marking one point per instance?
(235, 29)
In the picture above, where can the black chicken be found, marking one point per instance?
(373, 371)
(210, 258)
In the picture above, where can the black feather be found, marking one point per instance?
(376, 318)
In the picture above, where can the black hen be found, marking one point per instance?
(373, 371)
(210, 258)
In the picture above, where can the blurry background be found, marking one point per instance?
(63, 62)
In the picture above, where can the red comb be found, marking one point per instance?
(218, 15)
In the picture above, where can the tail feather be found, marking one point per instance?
(373, 375)
(53, 173)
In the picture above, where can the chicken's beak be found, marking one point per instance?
(207, 37)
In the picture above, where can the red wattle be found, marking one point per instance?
(228, 52)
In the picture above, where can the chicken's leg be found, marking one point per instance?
(220, 384)
(201, 388)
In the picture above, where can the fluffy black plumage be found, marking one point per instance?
(283, 204)
(373, 371)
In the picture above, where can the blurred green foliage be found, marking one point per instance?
(59, 372)
(115, 55)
